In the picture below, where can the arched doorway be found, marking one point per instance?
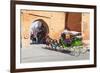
(39, 30)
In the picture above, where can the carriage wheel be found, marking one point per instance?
(75, 51)
(84, 50)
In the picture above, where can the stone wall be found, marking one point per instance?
(86, 27)
(55, 21)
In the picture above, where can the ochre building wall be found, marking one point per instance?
(55, 21)
(86, 27)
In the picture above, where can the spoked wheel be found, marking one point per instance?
(84, 50)
(75, 51)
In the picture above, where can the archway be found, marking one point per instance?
(39, 31)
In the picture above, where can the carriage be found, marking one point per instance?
(69, 42)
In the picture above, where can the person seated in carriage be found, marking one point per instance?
(70, 38)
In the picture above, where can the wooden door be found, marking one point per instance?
(73, 21)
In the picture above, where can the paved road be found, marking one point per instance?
(35, 53)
